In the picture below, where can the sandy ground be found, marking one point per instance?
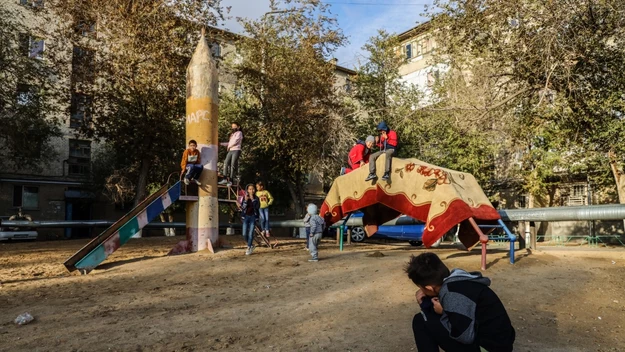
(274, 300)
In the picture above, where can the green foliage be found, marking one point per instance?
(29, 98)
(556, 79)
(430, 131)
(288, 98)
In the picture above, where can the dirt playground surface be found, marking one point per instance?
(275, 300)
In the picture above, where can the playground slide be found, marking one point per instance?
(96, 251)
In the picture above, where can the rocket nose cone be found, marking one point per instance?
(202, 53)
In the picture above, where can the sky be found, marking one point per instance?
(359, 20)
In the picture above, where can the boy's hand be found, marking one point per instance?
(437, 305)
(420, 296)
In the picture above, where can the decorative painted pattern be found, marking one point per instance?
(128, 229)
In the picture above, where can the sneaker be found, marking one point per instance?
(267, 233)
(252, 249)
(371, 177)
(314, 260)
(386, 176)
(229, 184)
(222, 182)
(247, 251)
(197, 182)
(186, 181)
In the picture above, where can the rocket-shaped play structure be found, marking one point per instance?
(202, 207)
(202, 126)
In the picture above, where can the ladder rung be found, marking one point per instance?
(227, 200)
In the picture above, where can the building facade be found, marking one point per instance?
(59, 188)
(418, 46)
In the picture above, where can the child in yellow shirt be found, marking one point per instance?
(265, 201)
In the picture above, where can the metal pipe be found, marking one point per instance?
(96, 223)
(511, 239)
(579, 213)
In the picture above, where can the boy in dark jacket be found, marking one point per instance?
(459, 312)
(387, 142)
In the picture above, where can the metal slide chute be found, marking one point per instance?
(96, 251)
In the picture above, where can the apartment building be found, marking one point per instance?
(56, 188)
(418, 46)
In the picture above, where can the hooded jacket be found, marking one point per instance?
(316, 222)
(391, 140)
(472, 312)
(358, 153)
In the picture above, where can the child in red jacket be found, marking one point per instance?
(359, 154)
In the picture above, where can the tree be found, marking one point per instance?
(30, 95)
(380, 93)
(134, 71)
(287, 100)
(428, 128)
(557, 68)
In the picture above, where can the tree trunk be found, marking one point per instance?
(293, 190)
(619, 178)
(300, 194)
(142, 184)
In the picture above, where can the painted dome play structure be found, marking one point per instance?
(440, 197)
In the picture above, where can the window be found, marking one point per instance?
(83, 64)
(522, 202)
(26, 95)
(33, 3)
(579, 191)
(433, 77)
(32, 47)
(239, 93)
(26, 197)
(79, 157)
(81, 110)
(86, 28)
(419, 49)
(408, 51)
(426, 45)
(216, 50)
(348, 85)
